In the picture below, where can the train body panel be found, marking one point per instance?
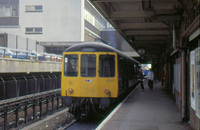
(98, 83)
(94, 75)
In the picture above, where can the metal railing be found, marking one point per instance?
(14, 87)
(22, 97)
(28, 55)
(17, 112)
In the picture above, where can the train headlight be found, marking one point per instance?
(107, 91)
(70, 90)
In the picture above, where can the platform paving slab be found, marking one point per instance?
(147, 110)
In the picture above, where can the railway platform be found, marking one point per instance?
(146, 110)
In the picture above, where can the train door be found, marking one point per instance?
(70, 75)
(88, 75)
(107, 73)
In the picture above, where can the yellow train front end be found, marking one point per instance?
(94, 76)
(89, 75)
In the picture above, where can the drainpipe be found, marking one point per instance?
(183, 90)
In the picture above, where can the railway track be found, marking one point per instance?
(92, 122)
(25, 110)
(68, 124)
(20, 111)
(85, 123)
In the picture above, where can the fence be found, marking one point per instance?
(30, 55)
(16, 42)
(19, 86)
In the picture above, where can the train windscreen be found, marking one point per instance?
(71, 65)
(88, 65)
(106, 66)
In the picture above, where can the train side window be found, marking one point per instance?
(88, 65)
(106, 65)
(71, 65)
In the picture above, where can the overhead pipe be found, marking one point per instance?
(183, 90)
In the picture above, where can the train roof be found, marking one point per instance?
(96, 47)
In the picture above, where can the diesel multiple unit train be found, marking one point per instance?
(94, 75)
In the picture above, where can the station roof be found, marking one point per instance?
(145, 24)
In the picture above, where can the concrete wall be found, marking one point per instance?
(61, 20)
(14, 12)
(10, 30)
(28, 66)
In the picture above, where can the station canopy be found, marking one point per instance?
(145, 24)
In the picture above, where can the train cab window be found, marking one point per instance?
(106, 65)
(71, 65)
(88, 65)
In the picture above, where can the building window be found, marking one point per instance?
(38, 30)
(34, 8)
(34, 30)
(1, 11)
(7, 11)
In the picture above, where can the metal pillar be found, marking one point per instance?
(4, 53)
(5, 119)
(47, 106)
(4, 88)
(38, 89)
(57, 102)
(62, 102)
(50, 80)
(34, 109)
(43, 79)
(17, 89)
(16, 45)
(27, 44)
(26, 114)
(56, 84)
(52, 103)
(5, 41)
(26, 85)
(36, 49)
(26, 48)
(40, 109)
(17, 116)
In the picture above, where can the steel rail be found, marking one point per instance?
(8, 102)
